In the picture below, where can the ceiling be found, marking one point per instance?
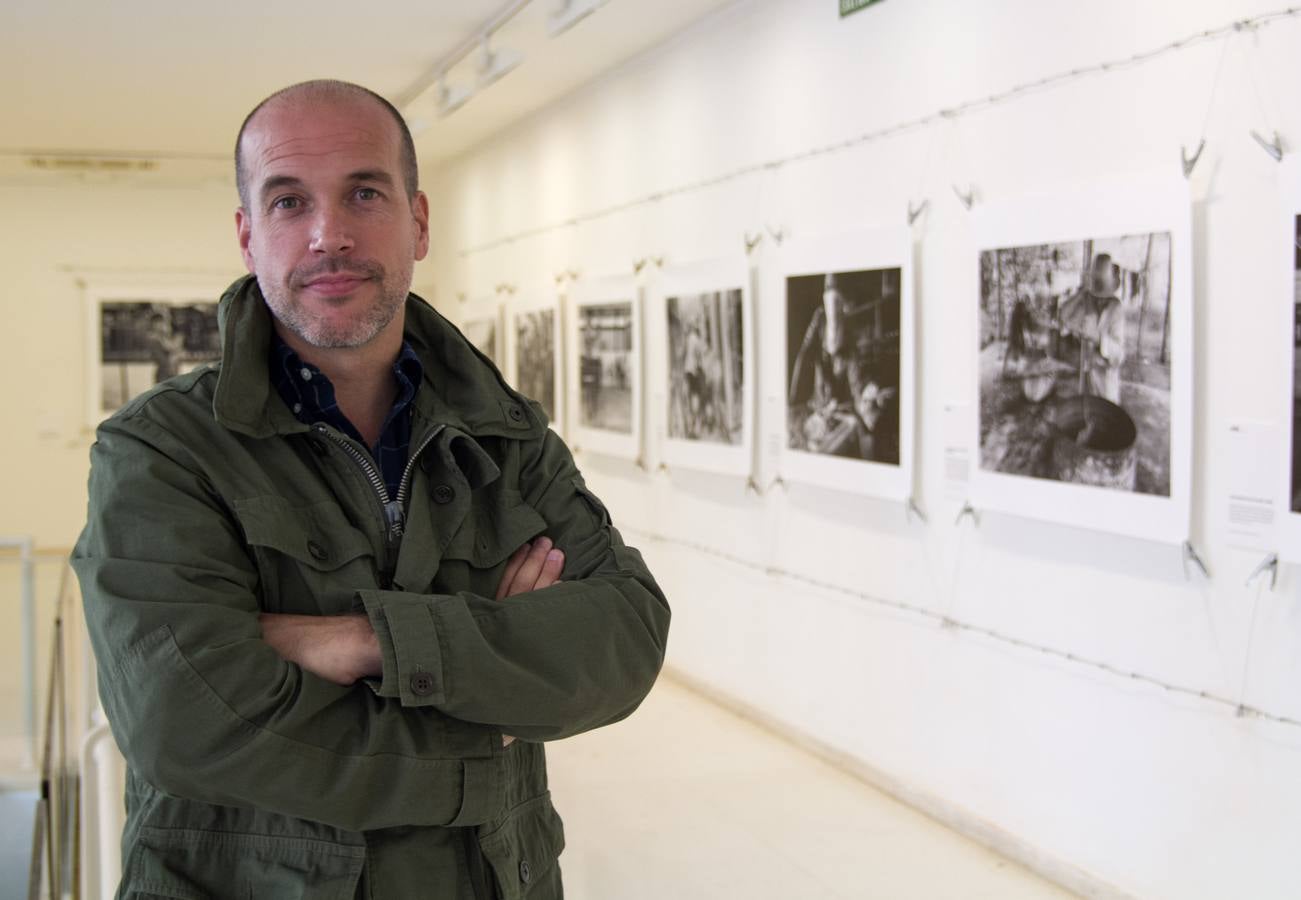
(171, 81)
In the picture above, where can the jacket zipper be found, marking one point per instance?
(395, 517)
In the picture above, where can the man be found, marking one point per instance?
(342, 586)
(1095, 315)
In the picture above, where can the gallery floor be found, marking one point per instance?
(689, 801)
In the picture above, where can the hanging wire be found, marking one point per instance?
(1239, 707)
(974, 105)
(1246, 653)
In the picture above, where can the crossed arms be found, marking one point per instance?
(205, 705)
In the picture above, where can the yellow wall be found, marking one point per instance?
(59, 234)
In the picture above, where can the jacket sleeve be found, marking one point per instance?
(203, 708)
(543, 665)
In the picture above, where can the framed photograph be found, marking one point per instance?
(139, 337)
(847, 321)
(709, 396)
(481, 323)
(606, 366)
(1288, 499)
(1084, 329)
(535, 355)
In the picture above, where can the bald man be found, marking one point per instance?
(345, 584)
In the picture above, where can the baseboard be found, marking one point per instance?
(957, 818)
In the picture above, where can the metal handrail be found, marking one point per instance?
(55, 829)
(102, 773)
(27, 563)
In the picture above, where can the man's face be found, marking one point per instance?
(329, 230)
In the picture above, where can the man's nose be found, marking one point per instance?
(331, 232)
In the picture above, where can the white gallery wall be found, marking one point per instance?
(1077, 760)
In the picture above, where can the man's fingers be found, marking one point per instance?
(551, 568)
(528, 573)
(512, 569)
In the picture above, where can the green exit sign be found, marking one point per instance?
(853, 6)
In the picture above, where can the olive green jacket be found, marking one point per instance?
(249, 777)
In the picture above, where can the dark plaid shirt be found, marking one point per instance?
(310, 396)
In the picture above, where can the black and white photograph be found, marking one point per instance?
(706, 367)
(1075, 362)
(1081, 330)
(144, 342)
(844, 338)
(482, 333)
(1294, 489)
(1282, 523)
(535, 357)
(606, 366)
(843, 364)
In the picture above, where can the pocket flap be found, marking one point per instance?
(318, 535)
(525, 847)
(491, 534)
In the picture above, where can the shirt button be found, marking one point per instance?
(525, 871)
(443, 494)
(422, 684)
(317, 551)
(298, 407)
(306, 373)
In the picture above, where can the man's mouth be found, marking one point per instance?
(335, 285)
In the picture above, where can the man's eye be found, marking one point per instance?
(285, 203)
(367, 194)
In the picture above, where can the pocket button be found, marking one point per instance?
(318, 552)
(525, 872)
(443, 494)
(422, 684)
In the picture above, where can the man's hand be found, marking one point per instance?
(531, 568)
(341, 649)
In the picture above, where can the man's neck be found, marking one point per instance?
(362, 377)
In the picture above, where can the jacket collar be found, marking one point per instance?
(461, 388)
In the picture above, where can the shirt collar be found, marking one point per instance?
(290, 375)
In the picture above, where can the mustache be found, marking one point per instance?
(351, 267)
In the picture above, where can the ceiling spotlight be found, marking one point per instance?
(569, 13)
(496, 64)
(451, 97)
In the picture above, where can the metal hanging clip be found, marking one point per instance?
(1190, 162)
(1274, 148)
(1268, 564)
(1190, 556)
(967, 510)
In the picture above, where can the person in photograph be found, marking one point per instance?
(342, 588)
(1095, 315)
(699, 396)
(164, 346)
(835, 382)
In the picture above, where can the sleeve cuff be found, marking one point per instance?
(408, 641)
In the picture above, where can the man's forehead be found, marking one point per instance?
(288, 133)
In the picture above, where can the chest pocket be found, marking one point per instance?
(494, 529)
(310, 559)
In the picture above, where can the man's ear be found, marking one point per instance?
(420, 212)
(243, 231)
